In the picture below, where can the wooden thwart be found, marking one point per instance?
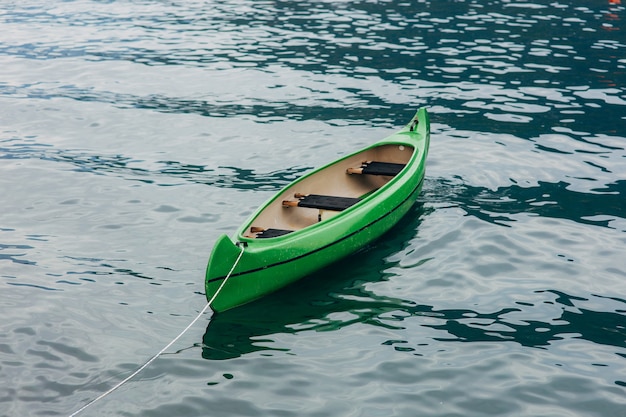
(267, 233)
(377, 168)
(322, 202)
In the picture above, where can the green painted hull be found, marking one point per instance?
(267, 265)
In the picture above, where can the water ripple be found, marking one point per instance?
(359, 40)
(166, 173)
(132, 130)
(546, 200)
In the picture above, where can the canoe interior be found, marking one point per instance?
(332, 181)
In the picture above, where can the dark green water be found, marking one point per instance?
(134, 133)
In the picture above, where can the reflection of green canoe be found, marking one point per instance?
(321, 218)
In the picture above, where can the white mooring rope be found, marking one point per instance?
(152, 359)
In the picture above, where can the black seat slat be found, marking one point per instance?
(267, 233)
(382, 168)
(327, 202)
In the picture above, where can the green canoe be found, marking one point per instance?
(320, 218)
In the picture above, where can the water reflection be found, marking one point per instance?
(15, 253)
(601, 327)
(168, 174)
(514, 63)
(317, 302)
(329, 302)
(349, 36)
(546, 200)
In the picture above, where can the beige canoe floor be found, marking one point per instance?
(332, 181)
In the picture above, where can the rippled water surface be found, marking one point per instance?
(134, 133)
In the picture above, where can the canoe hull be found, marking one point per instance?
(267, 265)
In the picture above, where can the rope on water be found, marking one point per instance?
(152, 359)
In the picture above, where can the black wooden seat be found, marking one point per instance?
(377, 168)
(267, 233)
(322, 202)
